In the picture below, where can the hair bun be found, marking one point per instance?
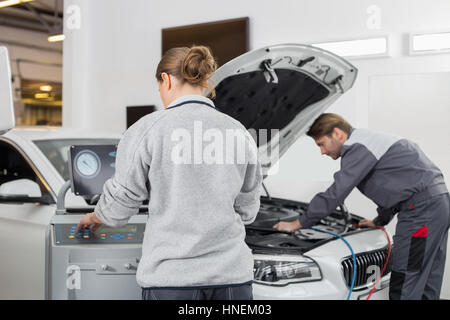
(198, 65)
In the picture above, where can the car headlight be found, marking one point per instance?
(284, 269)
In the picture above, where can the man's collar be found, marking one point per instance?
(350, 133)
(345, 145)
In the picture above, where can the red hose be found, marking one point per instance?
(385, 264)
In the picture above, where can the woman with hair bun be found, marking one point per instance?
(201, 192)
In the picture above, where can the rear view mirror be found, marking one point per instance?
(23, 191)
(21, 187)
(7, 120)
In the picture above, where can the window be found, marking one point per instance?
(374, 47)
(56, 151)
(13, 166)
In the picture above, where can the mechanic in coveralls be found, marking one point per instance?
(396, 175)
(194, 247)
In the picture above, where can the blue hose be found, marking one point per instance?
(353, 258)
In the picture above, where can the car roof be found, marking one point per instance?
(56, 133)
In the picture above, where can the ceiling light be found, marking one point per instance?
(375, 47)
(430, 43)
(46, 88)
(41, 95)
(56, 37)
(7, 3)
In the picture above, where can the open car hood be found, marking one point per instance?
(283, 87)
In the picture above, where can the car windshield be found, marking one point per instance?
(56, 151)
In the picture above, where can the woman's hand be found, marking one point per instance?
(288, 226)
(89, 220)
(367, 223)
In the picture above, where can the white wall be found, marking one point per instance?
(110, 61)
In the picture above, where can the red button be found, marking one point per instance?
(129, 237)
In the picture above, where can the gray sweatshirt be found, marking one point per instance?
(197, 205)
(385, 168)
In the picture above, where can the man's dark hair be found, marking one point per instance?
(325, 123)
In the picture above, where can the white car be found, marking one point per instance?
(283, 87)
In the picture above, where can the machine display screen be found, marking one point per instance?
(128, 229)
(90, 166)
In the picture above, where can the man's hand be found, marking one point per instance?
(89, 220)
(288, 226)
(366, 223)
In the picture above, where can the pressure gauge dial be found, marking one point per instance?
(87, 164)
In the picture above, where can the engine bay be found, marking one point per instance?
(262, 237)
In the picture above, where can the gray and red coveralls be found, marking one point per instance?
(395, 174)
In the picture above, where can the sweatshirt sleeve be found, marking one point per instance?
(356, 164)
(247, 202)
(385, 215)
(124, 193)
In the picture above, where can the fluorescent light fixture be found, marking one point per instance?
(374, 47)
(46, 88)
(430, 43)
(7, 3)
(41, 95)
(56, 38)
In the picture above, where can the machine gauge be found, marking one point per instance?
(87, 164)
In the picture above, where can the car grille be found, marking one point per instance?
(363, 261)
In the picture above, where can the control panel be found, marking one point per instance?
(131, 233)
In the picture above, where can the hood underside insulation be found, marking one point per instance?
(259, 104)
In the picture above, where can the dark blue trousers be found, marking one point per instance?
(233, 292)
